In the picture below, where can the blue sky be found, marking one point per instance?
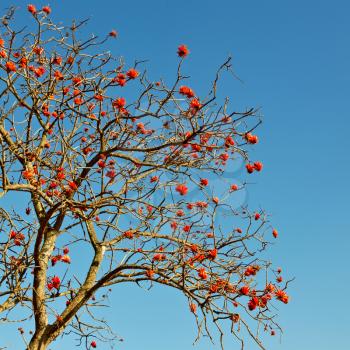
(293, 58)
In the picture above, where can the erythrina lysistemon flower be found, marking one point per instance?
(47, 9)
(10, 66)
(32, 9)
(132, 73)
(182, 51)
(182, 189)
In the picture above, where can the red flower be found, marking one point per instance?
(38, 50)
(234, 187)
(173, 225)
(78, 101)
(224, 156)
(113, 33)
(47, 9)
(269, 288)
(212, 254)
(216, 200)
(250, 168)
(72, 185)
(32, 9)
(194, 248)
(77, 80)
(229, 141)
(150, 274)
(204, 182)
(128, 234)
(98, 97)
(251, 138)
(27, 174)
(56, 282)
(182, 51)
(120, 79)
(159, 257)
(185, 90)
(193, 308)
(258, 166)
(154, 179)
(23, 62)
(111, 174)
(66, 250)
(132, 73)
(195, 104)
(93, 344)
(58, 75)
(66, 259)
(54, 260)
(253, 303)
(180, 213)
(257, 216)
(10, 66)
(60, 175)
(182, 189)
(282, 296)
(274, 233)
(202, 273)
(251, 270)
(187, 228)
(279, 279)
(119, 103)
(244, 290)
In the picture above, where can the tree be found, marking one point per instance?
(126, 182)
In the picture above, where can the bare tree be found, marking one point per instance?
(125, 182)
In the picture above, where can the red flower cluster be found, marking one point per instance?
(195, 104)
(234, 187)
(212, 254)
(202, 273)
(159, 257)
(182, 51)
(55, 283)
(182, 189)
(282, 296)
(275, 233)
(10, 67)
(251, 138)
(28, 174)
(255, 166)
(204, 182)
(128, 234)
(185, 90)
(119, 103)
(132, 73)
(17, 237)
(244, 290)
(47, 9)
(32, 9)
(251, 270)
(193, 308)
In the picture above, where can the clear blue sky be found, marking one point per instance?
(294, 58)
